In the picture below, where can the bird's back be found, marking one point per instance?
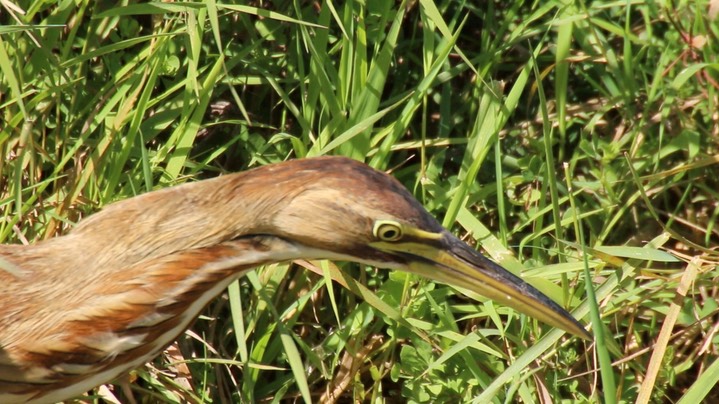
(95, 331)
(81, 309)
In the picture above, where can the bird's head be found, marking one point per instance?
(344, 209)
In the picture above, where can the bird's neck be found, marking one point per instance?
(185, 217)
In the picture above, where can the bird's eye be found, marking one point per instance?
(387, 231)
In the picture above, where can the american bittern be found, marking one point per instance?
(81, 309)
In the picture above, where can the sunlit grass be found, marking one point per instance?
(476, 109)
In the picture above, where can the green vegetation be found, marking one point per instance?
(574, 142)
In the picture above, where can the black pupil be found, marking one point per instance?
(390, 233)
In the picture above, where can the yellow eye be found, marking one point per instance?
(386, 230)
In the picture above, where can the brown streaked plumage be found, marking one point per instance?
(81, 309)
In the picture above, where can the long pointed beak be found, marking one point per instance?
(449, 260)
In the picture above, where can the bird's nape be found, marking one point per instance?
(149, 265)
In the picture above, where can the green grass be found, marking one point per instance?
(571, 141)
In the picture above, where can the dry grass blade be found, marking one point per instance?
(660, 347)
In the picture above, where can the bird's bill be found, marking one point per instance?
(445, 258)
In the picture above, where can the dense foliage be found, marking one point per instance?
(571, 141)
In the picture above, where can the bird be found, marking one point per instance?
(81, 309)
